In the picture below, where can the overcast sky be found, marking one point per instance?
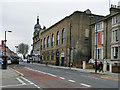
(20, 15)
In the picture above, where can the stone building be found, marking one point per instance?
(69, 40)
(108, 37)
(36, 41)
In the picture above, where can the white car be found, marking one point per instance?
(9, 61)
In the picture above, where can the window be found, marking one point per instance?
(44, 42)
(48, 41)
(52, 44)
(48, 57)
(63, 36)
(115, 52)
(99, 25)
(115, 19)
(100, 53)
(58, 38)
(44, 57)
(41, 44)
(52, 57)
(113, 35)
(116, 35)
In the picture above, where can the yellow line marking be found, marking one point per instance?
(18, 72)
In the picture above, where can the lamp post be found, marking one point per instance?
(96, 18)
(70, 47)
(5, 56)
(16, 49)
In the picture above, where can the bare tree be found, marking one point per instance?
(23, 49)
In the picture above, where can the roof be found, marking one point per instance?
(69, 17)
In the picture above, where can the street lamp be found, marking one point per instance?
(96, 18)
(6, 41)
(5, 56)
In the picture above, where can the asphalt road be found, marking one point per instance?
(48, 77)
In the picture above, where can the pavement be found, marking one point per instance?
(92, 71)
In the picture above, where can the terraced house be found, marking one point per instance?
(108, 37)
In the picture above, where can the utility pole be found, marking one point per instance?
(70, 47)
(96, 47)
(4, 66)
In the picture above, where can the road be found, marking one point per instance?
(41, 77)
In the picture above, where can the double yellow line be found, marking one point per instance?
(18, 72)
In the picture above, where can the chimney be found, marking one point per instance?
(115, 8)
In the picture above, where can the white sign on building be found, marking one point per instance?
(62, 54)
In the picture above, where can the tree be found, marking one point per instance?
(23, 49)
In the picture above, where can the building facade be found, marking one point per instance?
(68, 42)
(115, 35)
(107, 33)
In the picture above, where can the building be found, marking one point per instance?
(115, 34)
(68, 42)
(36, 41)
(107, 31)
(9, 53)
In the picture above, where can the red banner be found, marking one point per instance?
(3, 47)
(99, 38)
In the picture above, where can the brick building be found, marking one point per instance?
(69, 40)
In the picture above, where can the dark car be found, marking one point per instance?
(15, 60)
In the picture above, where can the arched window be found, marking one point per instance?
(58, 38)
(44, 42)
(63, 36)
(52, 44)
(41, 44)
(48, 41)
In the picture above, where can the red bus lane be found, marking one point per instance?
(47, 80)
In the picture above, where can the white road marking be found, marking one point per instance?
(52, 75)
(21, 81)
(30, 82)
(71, 80)
(27, 80)
(42, 72)
(14, 85)
(85, 85)
(61, 78)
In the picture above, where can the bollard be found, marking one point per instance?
(84, 64)
(105, 67)
(110, 67)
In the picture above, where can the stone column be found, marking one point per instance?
(84, 64)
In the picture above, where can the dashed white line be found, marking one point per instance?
(71, 80)
(52, 75)
(61, 78)
(21, 81)
(85, 85)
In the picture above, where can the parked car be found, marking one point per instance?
(15, 60)
(9, 60)
(20, 59)
(29, 59)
